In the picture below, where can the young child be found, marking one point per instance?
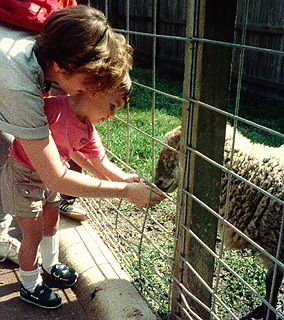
(71, 120)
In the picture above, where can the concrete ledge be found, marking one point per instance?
(103, 287)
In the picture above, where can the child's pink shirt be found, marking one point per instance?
(68, 132)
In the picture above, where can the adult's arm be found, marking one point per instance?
(45, 158)
(86, 164)
(102, 168)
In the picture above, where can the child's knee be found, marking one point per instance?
(51, 220)
(50, 231)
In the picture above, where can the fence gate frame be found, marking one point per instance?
(207, 79)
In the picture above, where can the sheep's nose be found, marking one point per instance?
(159, 183)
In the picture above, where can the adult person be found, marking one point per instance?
(28, 15)
(78, 50)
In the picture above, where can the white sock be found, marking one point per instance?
(5, 224)
(49, 248)
(30, 279)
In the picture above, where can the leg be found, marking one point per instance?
(9, 247)
(268, 283)
(50, 220)
(32, 232)
(49, 246)
(261, 311)
(5, 143)
(50, 250)
(69, 206)
(32, 289)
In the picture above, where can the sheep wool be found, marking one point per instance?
(256, 214)
(256, 209)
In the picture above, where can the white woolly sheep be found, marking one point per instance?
(257, 215)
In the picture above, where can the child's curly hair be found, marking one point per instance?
(80, 39)
(126, 88)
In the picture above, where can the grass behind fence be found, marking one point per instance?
(167, 115)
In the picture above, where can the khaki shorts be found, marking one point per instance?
(23, 193)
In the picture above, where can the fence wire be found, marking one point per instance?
(145, 240)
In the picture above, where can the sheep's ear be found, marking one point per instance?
(177, 142)
(178, 146)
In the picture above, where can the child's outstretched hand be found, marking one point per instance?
(143, 195)
(132, 177)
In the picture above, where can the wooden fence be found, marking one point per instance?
(264, 29)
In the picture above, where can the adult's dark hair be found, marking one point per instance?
(80, 39)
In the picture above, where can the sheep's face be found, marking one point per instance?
(167, 168)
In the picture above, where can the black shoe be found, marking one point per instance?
(62, 274)
(73, 209)
(42, 297)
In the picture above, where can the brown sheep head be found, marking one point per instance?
(167, 168)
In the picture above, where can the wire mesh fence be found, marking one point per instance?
(204, 251)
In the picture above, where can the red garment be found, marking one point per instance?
(27, 14)
(30, 14)
(67, 3)
(68, 132)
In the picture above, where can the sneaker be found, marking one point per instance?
(42, 297)
(9, 249)
(63, 274)
(72, 209)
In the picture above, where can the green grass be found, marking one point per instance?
(142, 97)
(166, 116)
(234, 294)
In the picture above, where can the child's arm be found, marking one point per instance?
(103, 168)
(45, 158)
(86, 164)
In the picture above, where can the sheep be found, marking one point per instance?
(257, 215)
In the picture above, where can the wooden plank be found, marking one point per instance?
(265, 28)
(262, 29)
(207, 79)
